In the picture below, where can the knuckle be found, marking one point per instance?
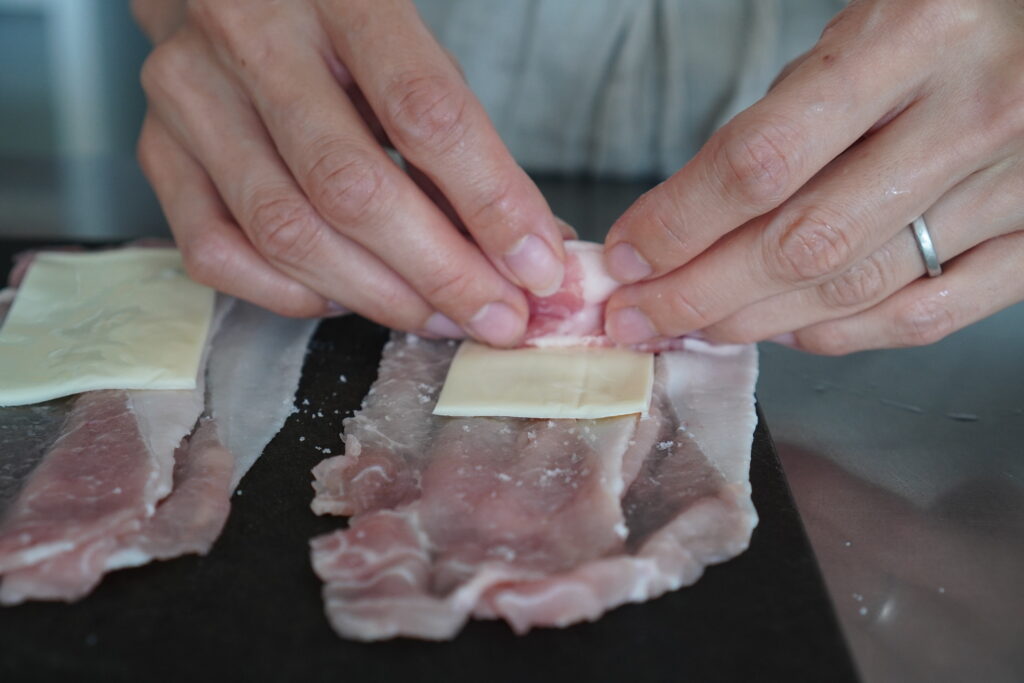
(950, 20)
(285, 230)
(166, 69)
(864, 283)
(206, 258)
(923, 322)
(427, 111)
(813, 246)
(669, 228)
(1000, 115)
(495, 204)
(449, 284)
(396, 309)
(827, 340)
(347, 185)
(836, 25)
(753, 165)
(245, 29)
(686, 311)
(215, 15)
(734, 332)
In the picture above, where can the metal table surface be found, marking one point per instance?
(907, 466)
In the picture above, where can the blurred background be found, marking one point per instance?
(70, 111)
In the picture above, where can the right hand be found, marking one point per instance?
(265, 143)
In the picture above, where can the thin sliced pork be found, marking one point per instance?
(539, 522)
(245, 409)
(100, 480)
(574, 315)
(95, 502)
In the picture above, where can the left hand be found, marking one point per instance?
(791, 222)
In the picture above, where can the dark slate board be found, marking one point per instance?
(251, 609)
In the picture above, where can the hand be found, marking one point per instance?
(792, 219)
(265, 142)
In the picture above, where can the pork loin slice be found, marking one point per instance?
(391, 434)
(101, 479)
(539, 522)
(246, 407)
(688, 506)
(203, 470)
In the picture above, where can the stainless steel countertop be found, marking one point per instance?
(907, 466)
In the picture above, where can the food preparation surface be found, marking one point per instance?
(252, 609)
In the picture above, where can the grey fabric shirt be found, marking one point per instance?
(620, 87)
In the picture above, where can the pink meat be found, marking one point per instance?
(574, 315)
(387, 471)
(500, 501)
(249, 407)
(189, 520)
(541, 523)
(99, 479)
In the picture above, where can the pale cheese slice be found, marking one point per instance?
(120, 319)
(585, 383)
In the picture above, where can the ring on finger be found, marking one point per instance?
(926, 246)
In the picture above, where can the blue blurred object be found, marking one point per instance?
(70, 111)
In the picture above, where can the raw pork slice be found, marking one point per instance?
(100, 479)
(118, 486)
(538, 522)
(574, 315)
(245, 409)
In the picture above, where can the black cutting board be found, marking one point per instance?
(251, 609)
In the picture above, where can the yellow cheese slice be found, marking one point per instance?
(585, 383)
(121, 319)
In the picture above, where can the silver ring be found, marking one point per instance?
(926, 246)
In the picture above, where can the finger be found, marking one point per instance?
(567, 231)
(436, 123)
(985, 205)
(434, 194)
(789, 68)
(973, 286)
(214, 251)
(157, 18)
(364, 196)
(209, 117)
(427, 186)
(845, 213)
(767, 152)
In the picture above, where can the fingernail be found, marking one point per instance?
(536, 265)
(626, 265)
(630, 326)
(334, 309)
(497, 323)
(787, 339)
(440, 325)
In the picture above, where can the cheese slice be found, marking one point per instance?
(121, 319)
(585, 383)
